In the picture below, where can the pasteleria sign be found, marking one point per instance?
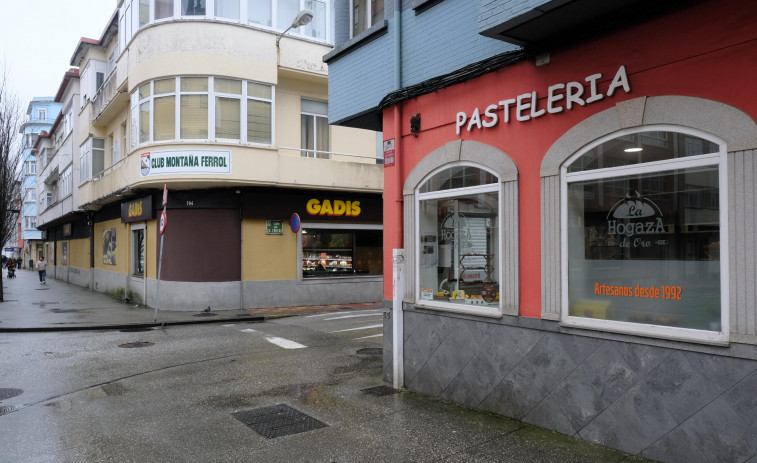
(185, 162)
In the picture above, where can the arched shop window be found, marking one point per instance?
(458, 242)
(643, 227)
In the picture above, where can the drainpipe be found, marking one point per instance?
(398, 254)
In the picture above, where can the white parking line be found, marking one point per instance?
(285, 343)
(372, 336)
(281, 342)
(359, 328)
(353, 316)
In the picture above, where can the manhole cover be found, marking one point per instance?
(371, 351)
(131, 345)
(380, 391)
(7, 393)
(137, 329)
(204, 314)
(278, 420)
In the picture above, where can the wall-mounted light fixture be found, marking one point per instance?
(415, 124)
(302, 18)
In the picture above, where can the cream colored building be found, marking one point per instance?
(212, 103)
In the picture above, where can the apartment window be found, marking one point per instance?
(178, 108)
(228, 108)
(643, 236)
(30, 167)
(314, 132)
(42, 113)
(135, 14)
(66, 181)
(125, 136)
(458, 244)
(163, 9)
(227, 9)
(30, 222)
(260, 12)
(365, 13)
(193, 7)
(30, 196)
(194, 108)
(99, 80)
(98, 156)
(286, 12)
(144, 12)
(84, 160)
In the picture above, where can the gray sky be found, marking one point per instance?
(38, 38)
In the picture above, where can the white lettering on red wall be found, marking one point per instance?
(560, 97)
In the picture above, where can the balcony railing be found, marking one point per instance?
(105, 94)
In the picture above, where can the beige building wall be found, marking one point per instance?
(267, 257)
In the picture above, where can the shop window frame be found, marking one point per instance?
(495, 187)
(718, 160)
(333, 226)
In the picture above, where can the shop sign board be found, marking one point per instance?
(185, 162)
(559, 97)
(274, 227)
(389, 153)
(67, 229)
(137, 210)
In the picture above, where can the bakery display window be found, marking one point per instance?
(643, 236)
(458, 243)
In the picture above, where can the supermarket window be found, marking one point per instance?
(643, 235)
(342, 252)
(458, 242)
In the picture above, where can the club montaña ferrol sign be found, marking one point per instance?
(185, 162)
(524, 107)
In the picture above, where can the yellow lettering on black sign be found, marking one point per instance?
(336, 207)
(135, 210)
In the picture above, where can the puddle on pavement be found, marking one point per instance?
(7, 393)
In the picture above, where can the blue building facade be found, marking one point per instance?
(40, 117)
(434, 38)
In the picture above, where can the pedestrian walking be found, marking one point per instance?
(42, 269)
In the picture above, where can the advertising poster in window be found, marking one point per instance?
(646, 249)
(429, 250)
(64, 253)
(109, 246)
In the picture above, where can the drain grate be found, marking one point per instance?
(380, 391)
(371, 351)
(278, 420)
(7, 393)
(131, 345)
(7, 409)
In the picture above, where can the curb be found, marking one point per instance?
(122, 326)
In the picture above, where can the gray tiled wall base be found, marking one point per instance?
(657, 402)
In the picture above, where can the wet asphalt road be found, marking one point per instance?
(86, 397)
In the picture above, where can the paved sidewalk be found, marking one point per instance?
(59, 306)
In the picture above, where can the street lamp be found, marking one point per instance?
(302, 18)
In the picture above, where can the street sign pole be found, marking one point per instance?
(163, 221)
